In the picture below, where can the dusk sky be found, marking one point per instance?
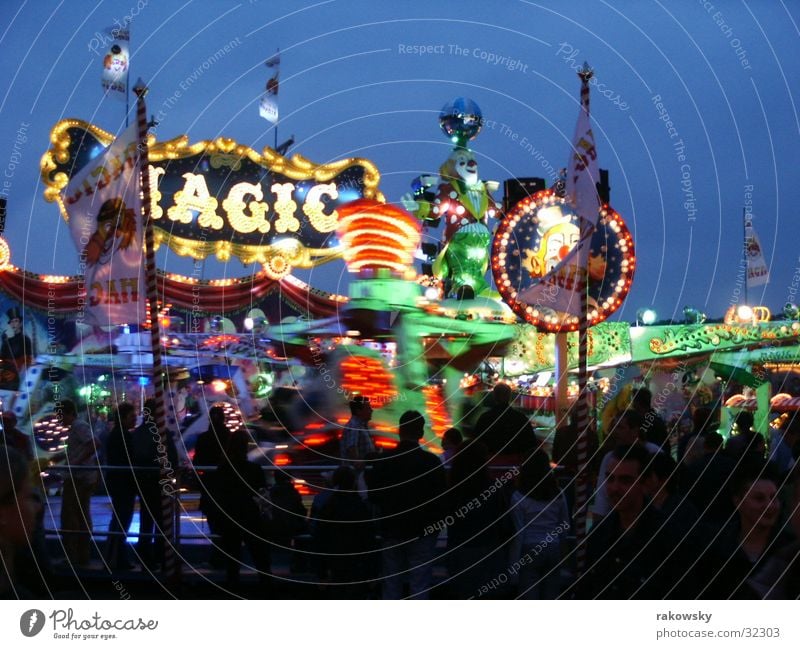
(694, 111)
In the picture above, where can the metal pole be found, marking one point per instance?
(277, 54)
(562, 380)
(171, 567)
(127, 96)
(582, 414)
(128, 83)
(744, 253)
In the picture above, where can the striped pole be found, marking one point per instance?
(582, 414)
(171, 567)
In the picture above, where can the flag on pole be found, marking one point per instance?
(559, 289)
(582, 171)
(268, 106)
(104, 207)
(581, 188)
(757, 270)
(116, 63)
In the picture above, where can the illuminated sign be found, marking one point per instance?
(530, 253)
(223, 198)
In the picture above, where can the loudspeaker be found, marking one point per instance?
(518, 188)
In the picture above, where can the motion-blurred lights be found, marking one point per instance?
(256, 324)
(745, 314)
(646, 316)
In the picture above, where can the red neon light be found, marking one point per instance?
(362, 375)
(377, 235)
(317, 440)
(435, 406)
(304, 490)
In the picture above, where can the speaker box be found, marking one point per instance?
(518, 188)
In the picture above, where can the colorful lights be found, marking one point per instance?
(317, 440)
(741, 402)
(744, 314)
(377, 235)
(436, 408)
(364, 375)
(783, 402)
(219, 386)
(5, 254)
(646, 316)
(281, 459)
(384, 442)
(233, 418)
(50, 434)
(56, 279)
(527, 251)
(220, 341)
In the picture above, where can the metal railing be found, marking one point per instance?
(193, 472)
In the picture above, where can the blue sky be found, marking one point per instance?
(368, 79)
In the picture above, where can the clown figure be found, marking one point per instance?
(463, 201)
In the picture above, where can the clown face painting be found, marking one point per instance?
(558, 243)
(116, 224)
(115, 62)
(559, 234)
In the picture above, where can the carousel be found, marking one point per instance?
(409, 339)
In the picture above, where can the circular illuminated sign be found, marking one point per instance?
(537, 276)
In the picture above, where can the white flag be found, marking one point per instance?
(268, 106)
(582, 171)
(558, 289)
(757, 271)
(116, 64)
(103, 203)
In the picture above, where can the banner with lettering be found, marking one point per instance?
(104, 207)
(757, 269)
(268, 106)
(117, 63)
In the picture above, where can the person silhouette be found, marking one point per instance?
(15, 349)
(408, 486)
(121, 485)
(241, 486)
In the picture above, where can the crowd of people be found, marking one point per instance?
(491, 516)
